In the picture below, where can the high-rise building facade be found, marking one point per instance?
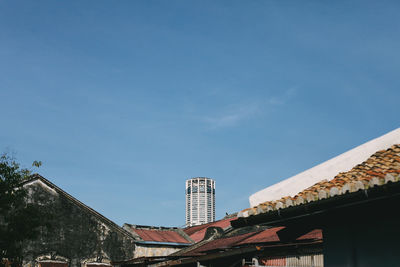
(200, 201)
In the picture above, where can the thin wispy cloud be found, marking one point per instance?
(283, 98)
(231, 117)
(235, 114)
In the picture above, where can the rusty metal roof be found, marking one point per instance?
(224, 243)
(381, 168)
(159, 234)
(197, 232)
(270, 235)
(253, 237)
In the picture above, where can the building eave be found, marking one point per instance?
(289, 215)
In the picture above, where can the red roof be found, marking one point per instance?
(268, 235)
(157, 235)
(314, 234)
(222, 243)
(197, 232)
(263, 236)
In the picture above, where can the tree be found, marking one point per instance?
(19, 219)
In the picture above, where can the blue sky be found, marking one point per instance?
(123, 101)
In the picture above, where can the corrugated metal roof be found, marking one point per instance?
(314, 234)
(158, 235)
(222, 243)
(256, 237)
(269, 235)
(381, 168)
(197, 232)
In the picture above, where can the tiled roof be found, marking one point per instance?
(159, 234)
(381, 168)
(325, 170)
(197, 232)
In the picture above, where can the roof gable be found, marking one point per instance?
(53, 189)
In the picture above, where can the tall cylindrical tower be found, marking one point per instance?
(200, 201)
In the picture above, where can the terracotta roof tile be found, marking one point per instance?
(381, 168)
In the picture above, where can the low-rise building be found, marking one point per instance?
(78, 236)
(157, 241)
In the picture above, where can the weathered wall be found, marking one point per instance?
(75, 233)
(155, 250)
